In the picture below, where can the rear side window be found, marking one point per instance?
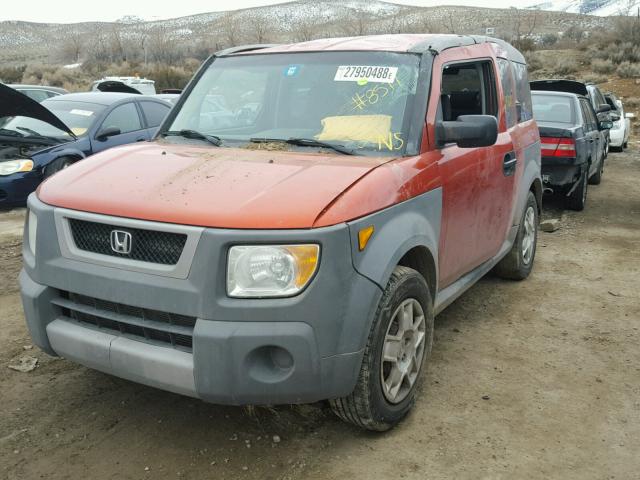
(468, 89)
(154, 113)
(523, 93)
(553, 108)
(37, 95)
(508, 89)
(588, 115)
(125, 117)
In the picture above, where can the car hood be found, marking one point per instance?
(207, 186)
(14, 103)
(569, 86)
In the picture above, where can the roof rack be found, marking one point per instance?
(244, 48)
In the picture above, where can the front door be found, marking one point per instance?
(475, 201)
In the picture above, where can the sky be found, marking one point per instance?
(70, 11)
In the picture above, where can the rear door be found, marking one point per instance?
(592, 133)
(154, 113)
(126, 118)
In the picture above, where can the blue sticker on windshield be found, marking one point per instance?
(291, 70)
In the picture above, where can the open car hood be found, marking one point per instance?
(14, 104)
(569, 86)
(115, 86)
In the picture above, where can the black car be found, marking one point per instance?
(572, 144)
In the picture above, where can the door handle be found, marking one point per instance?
(509, 164)
(140, 139)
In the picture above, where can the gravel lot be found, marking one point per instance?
(537, 379)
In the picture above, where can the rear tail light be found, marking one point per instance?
(558, 147)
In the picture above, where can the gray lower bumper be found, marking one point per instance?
(151, 365)
(236, 363)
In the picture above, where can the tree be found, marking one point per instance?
(520, 24)
(305, 31)
(73, 46)
(260, 28)
(230, 29)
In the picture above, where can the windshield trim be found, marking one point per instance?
(414, 114)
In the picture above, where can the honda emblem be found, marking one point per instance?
(121, 242)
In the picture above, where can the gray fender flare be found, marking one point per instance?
(397, 229)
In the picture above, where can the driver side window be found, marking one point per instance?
(124, 117)
(468, 89)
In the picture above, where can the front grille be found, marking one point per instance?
(146, 245)
(144, 324)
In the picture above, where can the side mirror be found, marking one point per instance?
(469, 131)
(629, 115)
(107, 132)
(603, 108)
(605, 125)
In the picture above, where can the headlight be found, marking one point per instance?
(270, 270)
(14, 166)
(32, 228)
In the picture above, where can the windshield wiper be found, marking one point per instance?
(34, 134)
(194, 134)
(10, 133)
(306, 142)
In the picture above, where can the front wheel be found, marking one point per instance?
(518, 263)
(57, 165)
(397, 348)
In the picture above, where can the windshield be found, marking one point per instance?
(78, 116)
(357, 99)
(553, 108)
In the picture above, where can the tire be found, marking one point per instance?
(518, 263)
(625, 145)
(596, 178)
(371, 406)
(578, 198)
(57, 165)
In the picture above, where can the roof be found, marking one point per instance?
(99, 98)
(37, 87)
(415, 43)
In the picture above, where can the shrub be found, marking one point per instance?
(566, 67)
(602, 66)
(595, 78)
(534, 62)
(549, 39)
(12, 74)
(628, 70)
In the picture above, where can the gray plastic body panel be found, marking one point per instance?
(322, 328)
(152, 365)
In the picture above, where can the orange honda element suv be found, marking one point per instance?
(301, 216)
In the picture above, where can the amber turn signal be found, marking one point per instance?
(363, 237)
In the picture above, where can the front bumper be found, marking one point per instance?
(243, 351)
(15, 188)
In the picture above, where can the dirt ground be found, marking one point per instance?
(536, 379)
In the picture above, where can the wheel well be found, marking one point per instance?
(420, 259)
(536, 189)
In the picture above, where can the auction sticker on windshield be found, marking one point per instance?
(366, 73)
(84, 113)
